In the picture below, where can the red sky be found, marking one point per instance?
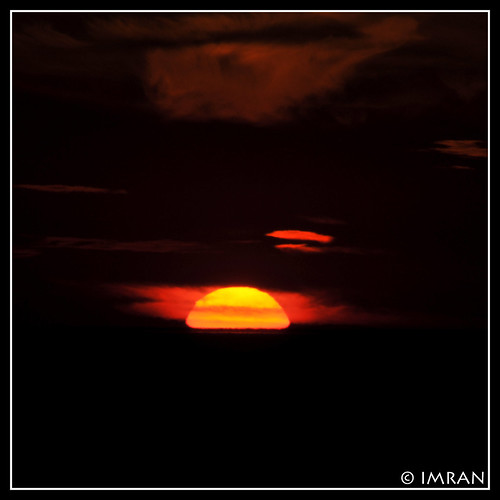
(293, 152)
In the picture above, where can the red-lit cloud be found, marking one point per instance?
(176, 302)
(292, 234)
(63, 188)
(305, 248)
(322, 239)
(299, 247)
(473, 149)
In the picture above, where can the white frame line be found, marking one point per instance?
(409, 488)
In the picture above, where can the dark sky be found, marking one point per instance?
(154, 153)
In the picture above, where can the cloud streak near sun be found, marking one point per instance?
(293, 234)
(147, 246)
(320, 244)
(300, 247)
(298, 235)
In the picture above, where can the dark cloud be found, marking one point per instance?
(465, 148)
(305, 248)
(43, 34)
(152, 246)
(23, 253)
(356, 250)
(459, 167)
(174, 30)
(249, 67)
(443, 71)
(62, 188)
(260, 81)
(255, 67)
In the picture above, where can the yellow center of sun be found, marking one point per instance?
(237, 307)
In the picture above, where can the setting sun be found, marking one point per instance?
(238, 307)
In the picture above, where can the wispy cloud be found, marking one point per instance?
(306, 248)
(458, 167)
(357, 250)
(314, 307)
(24, 253)
(63, 188)
(193, 29)
(321, 243)
(293, 234)
(466, 148)
(300, 247)
(149, 246)
(45, 35)
(167, 302)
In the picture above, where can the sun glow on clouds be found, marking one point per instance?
(177, 302)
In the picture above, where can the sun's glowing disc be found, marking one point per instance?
(237, 307)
